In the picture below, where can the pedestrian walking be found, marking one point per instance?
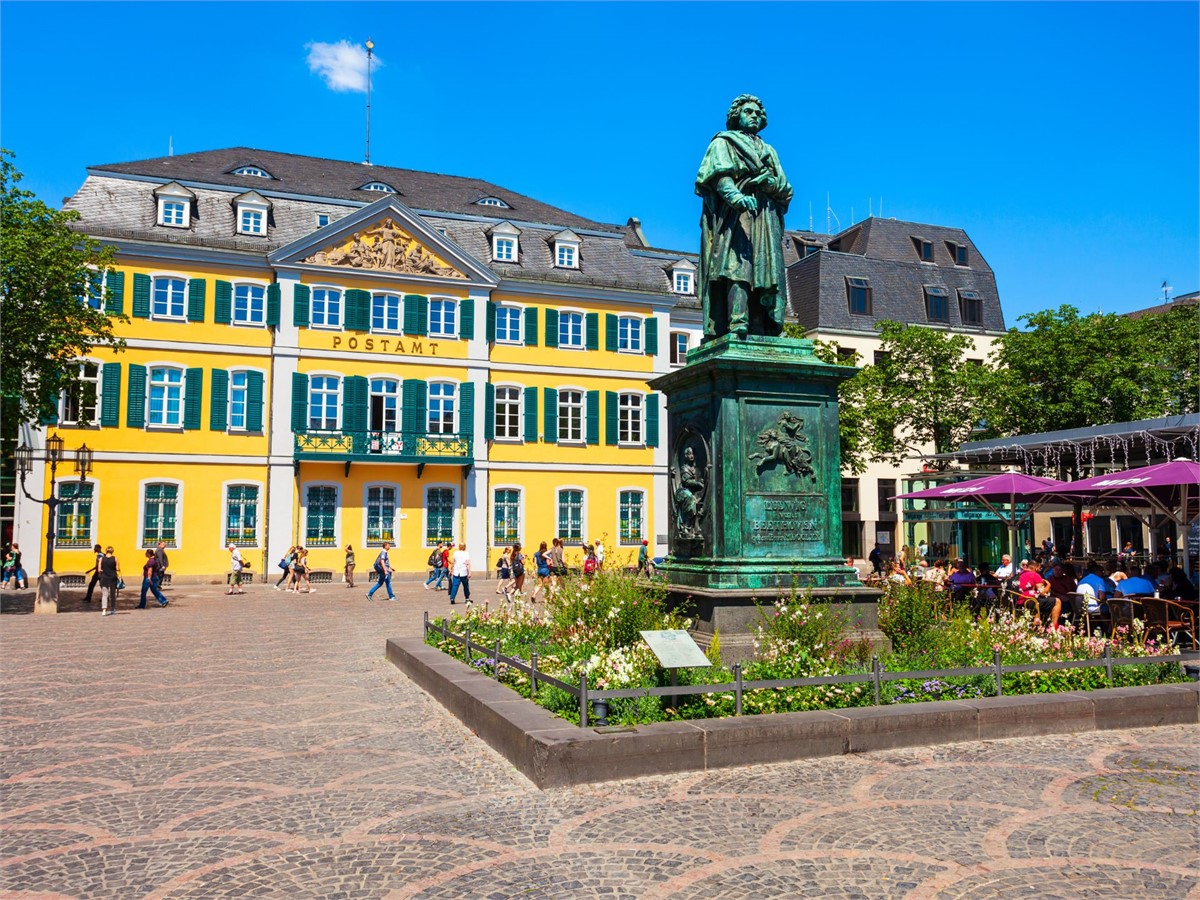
(150, 580)
(94, 571)
(383, 573)
(110, 581)
(160, 553)
(644, 557)
(460, 573)
(517, 561)
(504, 573)
(300, 568)
(437, 569)
(598, 551)
(349, 566)
(542, 561)
(16, 572)
(286, 565)
(558, 565)
(235, 570)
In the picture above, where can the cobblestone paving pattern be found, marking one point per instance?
(261, 746)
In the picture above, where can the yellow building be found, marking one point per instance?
(324, 353)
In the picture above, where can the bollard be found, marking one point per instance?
(468, 645)
(533, 675)
(875, 676)
(425, 627)
(583, 701)
(443, 631)
(1108, 663)
(496, 660)
(999, 673)
(600, 708)
(737, 691)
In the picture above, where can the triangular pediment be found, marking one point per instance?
(385, 237)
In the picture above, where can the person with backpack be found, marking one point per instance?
(504, 573)
(436, 564)
(383, 573)
(518, 570)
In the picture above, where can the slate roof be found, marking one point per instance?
(882, 251)
(1182, 300)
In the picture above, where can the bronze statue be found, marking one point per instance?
(745, 195)
(690, 486)
(785, 442)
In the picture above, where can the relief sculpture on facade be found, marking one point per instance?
(689, 487)
(785, 443)
(385, 247)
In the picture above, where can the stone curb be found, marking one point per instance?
(551, 752)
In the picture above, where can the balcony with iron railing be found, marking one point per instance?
(383, 446)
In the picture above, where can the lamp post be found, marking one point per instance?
(47, 596)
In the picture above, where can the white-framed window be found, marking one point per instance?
(378, 186)
(324, 395)
(241, 515)
(683, 282)
(570, 416)
(167, 297)
(441, 505)
(570, 514)
(566, 255)
(629, 334)
(80, 401)
(385, 312)
(323, 219)
(382, 504)
(251, 219)
(504, 249)
(239, 382)
(679, 347)
(506, 516)
(385, 405)
(249, 304)
(441, 407)
(93, 295)
(174, 212)
(509, 322)
(254, 171)
(491, 201)
(165, 387)
(443, 318)
(161, 513)
(571, 330)
(321, 515)
(508, 413)
(631, 515)
(629, 418)
(325, 308)
(74, 526)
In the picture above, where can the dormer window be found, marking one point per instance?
(251, 211)
(924, 248)
(958, 252)
(683, 277)
(492, 201)
(937, 303)
(252, 171)
(378, 186)
(505, 246)
(322, 219)
(566, 250)
(174, 205)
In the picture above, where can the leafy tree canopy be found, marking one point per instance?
(47, 268)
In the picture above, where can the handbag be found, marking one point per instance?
(120, 584)
(283, 564)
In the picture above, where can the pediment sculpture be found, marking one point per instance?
(386, 247)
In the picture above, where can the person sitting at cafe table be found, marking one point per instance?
(1062, 586)
(961, 582)
(936, 574)
(1029, 579)
(1136, 585)
(987, 589)
(1049, 607)
(1094, 590)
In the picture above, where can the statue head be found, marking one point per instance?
(689, 455)
(739, 118)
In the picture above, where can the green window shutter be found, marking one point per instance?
(50, 417)
(254, 402)
(552, 328)
(466, 408)
(354, 403)
(412, 416)
(489, 410)
(195, 308)
(592, 341)
(411, 304)
(218, 412)
(652, 420)
(490, 324)
(193, 398)
(610, 418)
(422, 316)
(466, 319)
(550, 416)
(593, 417)
(651, 342)
(531, 326)
(273, 303)
(110, 395)
(358, 310)
(141, 296)
(223, 303)
(299, 402)
(301, 297)
(114, 301)
(135, 407)
(531, 415)
(610, 332)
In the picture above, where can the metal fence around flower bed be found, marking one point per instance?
(599, 698)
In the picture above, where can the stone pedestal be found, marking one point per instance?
(755, 480)
(47, 594)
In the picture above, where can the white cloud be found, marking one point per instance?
(343, 65)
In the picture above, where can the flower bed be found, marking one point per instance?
(591, 627)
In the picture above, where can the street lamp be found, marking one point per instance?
(24, 463)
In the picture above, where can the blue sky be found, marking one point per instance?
(1063, 137)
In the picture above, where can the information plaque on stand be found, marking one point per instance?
(675, 649)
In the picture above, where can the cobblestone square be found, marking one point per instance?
(261, 746)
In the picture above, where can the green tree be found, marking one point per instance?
(47, 269)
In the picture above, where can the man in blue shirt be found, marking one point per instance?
(1136, 585)
(1096, 589)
